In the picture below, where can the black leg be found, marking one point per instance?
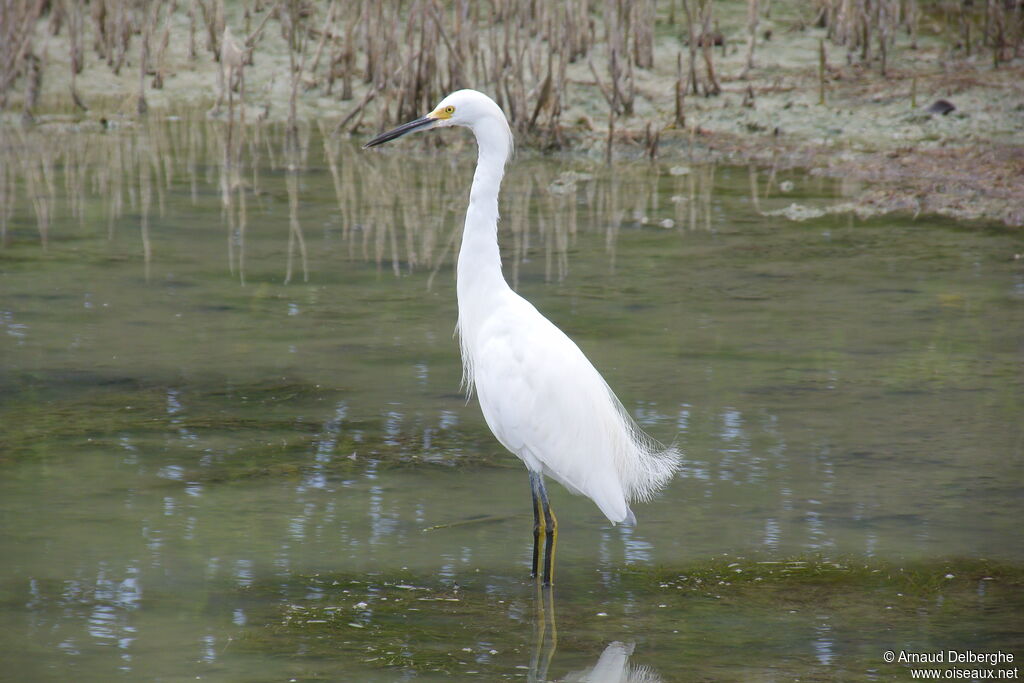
(550, 534)
(535, 487)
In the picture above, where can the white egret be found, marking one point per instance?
(539, 394)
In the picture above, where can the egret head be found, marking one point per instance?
(468, 108)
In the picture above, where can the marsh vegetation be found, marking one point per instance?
(840, 87)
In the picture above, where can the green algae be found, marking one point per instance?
(683, 620)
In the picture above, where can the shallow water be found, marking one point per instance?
(233, 445)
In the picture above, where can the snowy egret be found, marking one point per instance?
(539, 394)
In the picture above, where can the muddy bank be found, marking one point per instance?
(878, 135)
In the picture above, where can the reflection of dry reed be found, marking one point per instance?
(101, 175)
(146, 194)
(294, 154)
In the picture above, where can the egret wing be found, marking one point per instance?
(547, 404)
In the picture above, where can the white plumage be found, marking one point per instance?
(540, 395)
(546, 403)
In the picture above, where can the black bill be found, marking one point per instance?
(422, 122)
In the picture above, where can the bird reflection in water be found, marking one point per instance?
(612, 666)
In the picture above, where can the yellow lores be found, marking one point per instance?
(442, 113)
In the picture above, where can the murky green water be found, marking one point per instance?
(232, 445)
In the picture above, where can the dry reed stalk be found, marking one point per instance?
(1003, 30)
(73, 12)
(151, 18)
(1017, 30)
(253, 36)
(192, 19)
(162, 45)
(753, 18)
(652, 137)
(642, 24)
(346, 62)
(911, 19)
(858, 24)
(297, 40)
(33, 86)
(691, 42)
(886, 15)
(230, 72)
(213, 20)
(965, 27)
(618, 18)
(680, 94)
(554, 122)
(600, 86)
(821, 71)
(325, 33)
(119, 35)
(100, 42)
(707, 43)
(17, 17)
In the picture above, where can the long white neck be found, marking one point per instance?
(479, 268)
(479, 282)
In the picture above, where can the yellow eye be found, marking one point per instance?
(449, 109)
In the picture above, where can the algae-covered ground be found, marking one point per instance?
(730, 619)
